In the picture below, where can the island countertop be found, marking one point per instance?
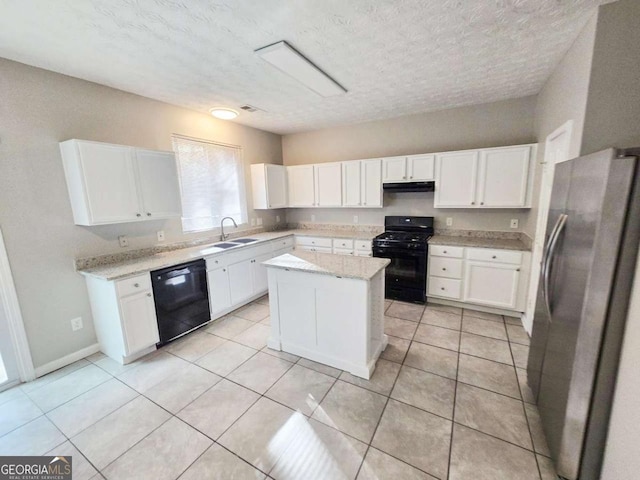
(346, 266)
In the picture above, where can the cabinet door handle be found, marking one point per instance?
(517, 269)
(411, 176)
(136, 285)
(224, 269)
(138, 215)
(444, 269)
(148, 294)
(216, 261)
(494, 256)
(148, 214)
(481, 203)
(441, 288)
(473, 203)
(444, 251)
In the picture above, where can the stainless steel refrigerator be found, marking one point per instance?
(587, 273)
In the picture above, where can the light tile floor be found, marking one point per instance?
(448, 400)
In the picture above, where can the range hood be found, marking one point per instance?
(409, 187)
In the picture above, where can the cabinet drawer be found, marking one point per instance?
(363, 245)
(281, 243)
(343, 243)
(445, 251)
(444, 287)
(445, 267)
(136, 284)
(343, 251)
(493, 255)
(314, 241)
(217, 261)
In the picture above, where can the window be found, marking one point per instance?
(212, 183)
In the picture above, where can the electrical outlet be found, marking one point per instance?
(313, 217)
(160, 235)
(449, 221)
(277, 218)
(259, 221)
(76, 323)
(253, 222)
(514, 223)
(355, 219)
(124, 242)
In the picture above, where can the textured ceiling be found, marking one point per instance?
(396, 57)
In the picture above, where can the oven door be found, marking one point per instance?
(406, 275)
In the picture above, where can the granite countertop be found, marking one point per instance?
(481, 242)
(346, 266)
(117, 266)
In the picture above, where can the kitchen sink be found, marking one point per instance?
(225, 245)
(244, 240)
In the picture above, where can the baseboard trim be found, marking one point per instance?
(67, 360)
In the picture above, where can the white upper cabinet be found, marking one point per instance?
(420, 168)
(503, 176)
(269, 186)
(362, 183)
(328, 178)
(394, 169)
(371, 177)
(115, 183)
(158, 182)
(412, 168)
(488, 178)
(301, 184)
(456, 178)
(351, 184)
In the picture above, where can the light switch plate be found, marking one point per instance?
(253, 222)
(124, 242)
(277, 218)
(355, 219)
(313, 217)
(514, 223)
(161, 235)
(259, 221)
(449, 221)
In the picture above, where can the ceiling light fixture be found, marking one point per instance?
(223, 113)
(288, 60)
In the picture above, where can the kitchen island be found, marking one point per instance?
(328, 308)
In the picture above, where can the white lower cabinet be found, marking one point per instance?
(240, 283)
(237, 277)
(139, 322)
(492, 284)
(219, 290)
(259, 273)
(124, 316)
(481, 276)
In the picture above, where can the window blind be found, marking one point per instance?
(212, 183)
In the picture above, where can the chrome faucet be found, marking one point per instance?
(222, 234)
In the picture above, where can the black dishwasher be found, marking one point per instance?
(182, 299)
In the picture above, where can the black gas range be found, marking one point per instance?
(404, 242)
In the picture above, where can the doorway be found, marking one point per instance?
(15, 359)
(556, 150)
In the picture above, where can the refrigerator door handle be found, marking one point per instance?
(553, 241)
(545, 256)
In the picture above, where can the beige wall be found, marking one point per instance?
(507, 122)
(613, 107)
(38, 109)
(564, 98)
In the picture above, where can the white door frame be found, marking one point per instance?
(11, 307)
(551, 157)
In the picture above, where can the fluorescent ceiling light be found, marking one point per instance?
(224, 113)
(288, 60)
